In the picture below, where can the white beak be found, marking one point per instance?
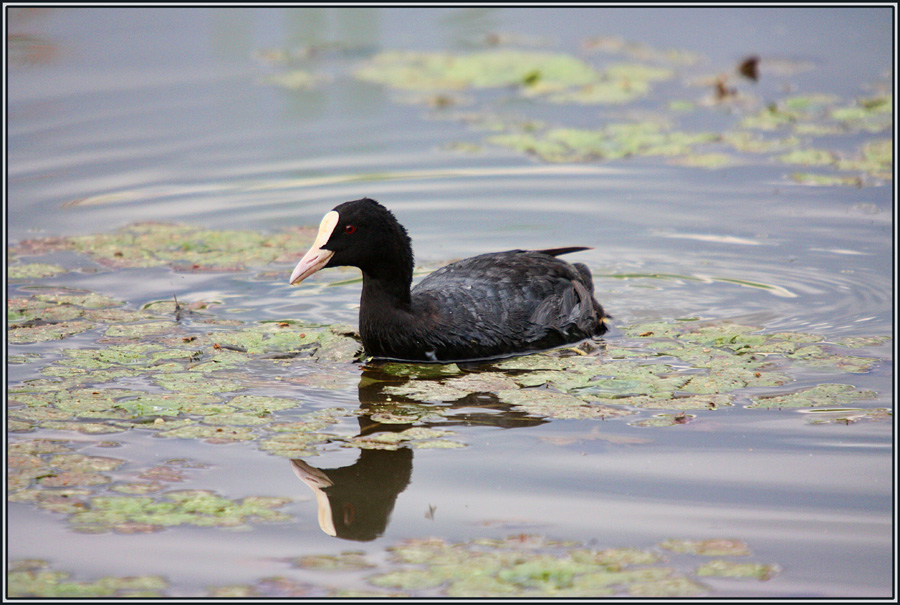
(317, 257)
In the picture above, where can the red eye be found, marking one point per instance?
(349, 229)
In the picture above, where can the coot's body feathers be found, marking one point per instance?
(492, 305)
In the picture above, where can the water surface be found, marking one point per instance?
(117, 116)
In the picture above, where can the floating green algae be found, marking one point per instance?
(875, 158)
(709, 548)
(663, 420)
(750, 142)
(541, 402)
(33, 271)
(730, 569)
(27, 463)
(613, 141)
(195, 379)
(809, 157)
(268, 588)
(531, 77)
(705, 160)
(640, 51)
(36, 579)
(488, 69)
(198, 389)
(820, 357)
(183, 247)
(416, 437)
(529, 566)
(127, 514)
(796, 117)
(681, 402)
(53, 477)
(870, 114)
(845, 415)
(517, 566)
(26, 333)
(750, 348)
(808, 178)
(345, 561)
(831, 395)
(52, 316)
(617, 84)
(722, 359)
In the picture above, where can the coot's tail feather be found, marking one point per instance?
(561, 251)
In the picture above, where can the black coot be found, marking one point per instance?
(492, 305)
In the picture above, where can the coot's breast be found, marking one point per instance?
(501, 304)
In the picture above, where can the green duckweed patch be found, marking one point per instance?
(530, 566)
(808, 178)
(787, 123)
(730, 569)
(271, 587)
(709, 548)
(847, 415)
(98, 495)
(33, 271)
(830, 395)
(488, 69)
(708, 366)
(182, 247)
(345, 561)
(541, 402)
(176, 370)
(54, 314)
(546, 77)
(663, 420)
(127, 514)
(517, 566)
(132, 510)
(416, 437)
(36, 579)
(613, 141)
(196, 385)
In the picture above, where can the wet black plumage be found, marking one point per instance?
(491, 305)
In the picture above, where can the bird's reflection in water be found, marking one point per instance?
(355, 502)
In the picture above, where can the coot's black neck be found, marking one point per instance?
(387, 282)
(385, 313)
(385, 293)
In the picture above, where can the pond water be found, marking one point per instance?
(710, 199)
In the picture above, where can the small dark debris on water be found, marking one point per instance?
(217, 346)
(722, 91)
(749, 68)
(303, 350)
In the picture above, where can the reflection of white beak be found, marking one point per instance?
(317, 257)
(317, 481)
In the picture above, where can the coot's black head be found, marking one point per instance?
(363, 234)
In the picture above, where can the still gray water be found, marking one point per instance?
(712, 198)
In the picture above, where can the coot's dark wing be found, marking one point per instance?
(504, 303)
